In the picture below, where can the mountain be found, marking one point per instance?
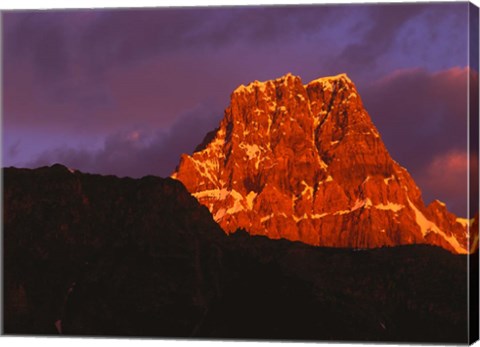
(127, 246)
(305, 162)
(91, 255)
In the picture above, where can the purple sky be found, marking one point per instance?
(125, 92)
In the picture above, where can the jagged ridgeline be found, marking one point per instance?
(305, 162)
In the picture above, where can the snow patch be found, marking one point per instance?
(390, 206)
(366, 203)
(316, 120)
(323, 165)
(218, 142)
(253, 152)
(388, 179)
(427, 226)
(269, 124)
(342, 212)
(358, 204)
(308, 189)
(219, 215)
(217, 194)
(298, 219)
(327, 82)
(237, 207)
(205, 167)
(250, 198)
(318, 216)
(464, 222)
(236, 195)
(327, 86)
(239, 202)
(261, 86)
(264, 219)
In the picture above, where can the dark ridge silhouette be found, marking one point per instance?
(92, 255)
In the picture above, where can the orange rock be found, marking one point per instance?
(305, 162)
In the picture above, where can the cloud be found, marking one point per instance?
(98, 70)
(138, 152)
(384, 23)
(14, 149)
(405, 35)
(57, 42)
(419, 114)
(422, 118)
(446, 175)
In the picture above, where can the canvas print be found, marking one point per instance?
(302, 172)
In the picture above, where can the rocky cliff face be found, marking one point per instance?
(304, 162)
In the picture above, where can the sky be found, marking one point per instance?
(125, 92)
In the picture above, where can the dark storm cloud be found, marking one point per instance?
(383, 23)
(13, 149)
(139, 152)
(40, 39)
(61, 66)
(422, 118)
(80, 69)
(405, 35)
(97, 39)
(445, 178)
(420, 110)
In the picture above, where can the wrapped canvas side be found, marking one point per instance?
(473, 115)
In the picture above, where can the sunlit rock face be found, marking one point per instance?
(305, 162)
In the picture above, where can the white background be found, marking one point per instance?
(74, 342)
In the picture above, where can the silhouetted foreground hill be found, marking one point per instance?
(99, 255)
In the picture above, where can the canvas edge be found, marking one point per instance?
(473, 169)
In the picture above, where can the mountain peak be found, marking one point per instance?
(263, 85)
(305, 162)
(343, 77)
(334, 84)
(290, 79)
